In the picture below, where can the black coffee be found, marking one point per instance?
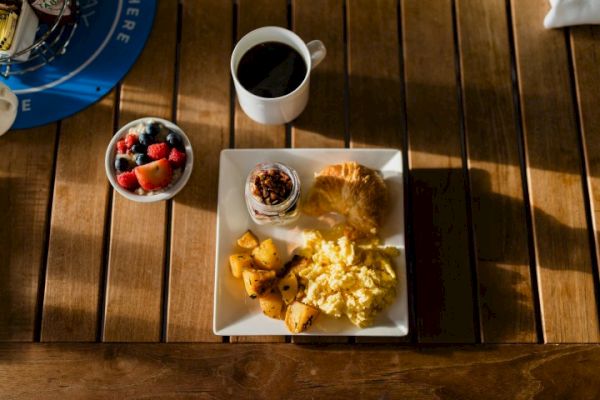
(271, 69)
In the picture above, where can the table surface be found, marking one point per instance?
(498, 121)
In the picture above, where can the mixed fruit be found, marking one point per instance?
(149, 158)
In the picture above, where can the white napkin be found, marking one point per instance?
(572, 12)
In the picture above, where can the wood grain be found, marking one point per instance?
(375, 103)
(93, 371)
(564, 267)
(500, 228)
(203, 111)
(253, 14)
(585, 47)
(444, 302)
(76, 243)
(25, 188)
(321, 124)
(137, 242)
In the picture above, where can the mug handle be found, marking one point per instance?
(317, 51)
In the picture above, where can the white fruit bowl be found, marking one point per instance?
(161, 195)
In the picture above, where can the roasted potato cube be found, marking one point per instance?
(301, 292)
(265, 256)
(296, 264)
(300, 317)
(271, 303)
(257, 281)
(288, 287)
(238, 262)
(248, 240)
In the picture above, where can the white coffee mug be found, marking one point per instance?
(276, 110)
(8, 108)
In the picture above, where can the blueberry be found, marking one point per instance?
(138, 148)
(142, 159)
(153, 128)
(122, 164)
(146, 139)
(174, 140)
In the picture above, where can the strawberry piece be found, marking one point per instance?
(121, 147)
(158, 151)
(177, 158)
(154, 175)
(128, 180)
(130, 140)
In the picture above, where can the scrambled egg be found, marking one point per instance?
(346, 278)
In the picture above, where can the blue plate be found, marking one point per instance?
(110, 37)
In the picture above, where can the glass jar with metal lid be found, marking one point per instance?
(272, 193)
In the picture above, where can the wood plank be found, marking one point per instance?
(444, 303)
(375, 103)
(322, 124)
(585, 47)
(566, 283)
(76, 243)
(25, 179)
(500, 228)
(203, 111)
(253, 14)
(93, 371)
(138, 231)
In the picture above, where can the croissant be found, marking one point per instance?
(350, 189)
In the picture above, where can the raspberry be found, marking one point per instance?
(130, 140)
(128, 180)
(158, 151)
(177, 158)
(121, 147)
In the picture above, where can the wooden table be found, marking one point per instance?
(498, 121)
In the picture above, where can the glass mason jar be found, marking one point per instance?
(265, 203)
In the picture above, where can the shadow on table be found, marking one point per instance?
(19, 262)
(443, 269)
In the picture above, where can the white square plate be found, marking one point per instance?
(235, 313)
